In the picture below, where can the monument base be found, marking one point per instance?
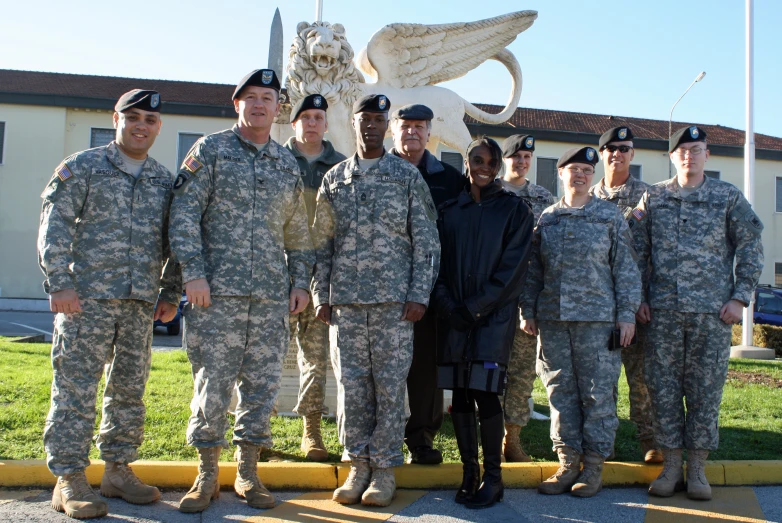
(751, 352)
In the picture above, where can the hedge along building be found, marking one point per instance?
(45, 117)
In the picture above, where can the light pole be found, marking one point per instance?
(670, 118)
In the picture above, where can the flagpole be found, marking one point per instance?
(749, 159)
(318, 10)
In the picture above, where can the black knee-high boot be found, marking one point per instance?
(492, 489)
(467, 439)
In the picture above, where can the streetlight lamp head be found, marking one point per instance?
(700, 76)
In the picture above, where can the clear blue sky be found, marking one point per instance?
(630, 58)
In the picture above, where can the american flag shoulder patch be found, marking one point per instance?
(63, 173)
(638, 214)
(191, 164)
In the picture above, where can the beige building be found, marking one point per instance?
(45, 117)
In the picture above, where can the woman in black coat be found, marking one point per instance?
(485, 236)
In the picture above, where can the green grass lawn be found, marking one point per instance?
(750, 423)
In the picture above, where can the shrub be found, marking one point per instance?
(767, 336)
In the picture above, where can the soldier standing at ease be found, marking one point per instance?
(621, 189)
(517, 153)
(411, 126)
(377, 256)
(103, 245)
(315, 156)
(239, 231)
(695, 234)
(583, 284)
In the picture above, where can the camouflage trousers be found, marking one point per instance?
(686, 364)
(114, 332)
(521, 378)
(579, 373)
(371, 352)
(641, 412)
(310, 337)
(242, 341)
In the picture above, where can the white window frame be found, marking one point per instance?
(2, 143)
(777, 179)
(555, 168)
(101, 129)
(640, 170)
(178, 134)
(453, 152)
(719, 173)
(774, 284)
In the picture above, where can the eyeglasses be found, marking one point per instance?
(695, 151)
(575, 170)
(621, 148)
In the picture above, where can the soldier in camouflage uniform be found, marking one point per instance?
(377, 257)
(517, 151)
(309, 336)
(583, 283)
(103, 247)
(239, 231)
(696, 233)
(625, 191)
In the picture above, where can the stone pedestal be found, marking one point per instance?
(753, 353)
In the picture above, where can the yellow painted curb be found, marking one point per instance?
(752, 472)
(616, 473)
(521, 475)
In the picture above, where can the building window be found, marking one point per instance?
(778, 274)
(2, 142)
(635, 171)
(547, 175)
(455, 160)
(100, 137)
(712, 174)
(779, 194)
(186, 142)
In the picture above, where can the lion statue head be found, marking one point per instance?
(321, 62)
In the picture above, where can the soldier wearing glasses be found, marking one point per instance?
(700, 241)
(623, 190)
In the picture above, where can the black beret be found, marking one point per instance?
(312, 101)
(617, 134)
(141, 99)
(689, 134)
(578, 155)
(260, 78)
(413, 112)
(516, 143)
(372, 103)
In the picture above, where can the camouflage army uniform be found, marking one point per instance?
(690, 244)
(626, 197)
(103, 233)
(521, 367)
(377, 248)
(582, 279)
(310, 336)
(237, 215)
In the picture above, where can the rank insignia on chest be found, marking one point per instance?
(638, 214)
(63, 173)
(191, 164)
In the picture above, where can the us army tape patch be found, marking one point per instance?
(191, 164)
(63, 172)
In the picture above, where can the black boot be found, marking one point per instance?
(492, 489)
(467, 439)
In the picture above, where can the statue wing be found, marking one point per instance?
(413, 55)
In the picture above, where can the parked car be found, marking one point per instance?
(768, 305)
(174, 326)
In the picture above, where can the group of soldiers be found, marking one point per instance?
(297, 244)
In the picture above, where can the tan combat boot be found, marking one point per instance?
(357, 482)
(207, 485)
(566, 475)
(511, 446)
(650, 452)
(119, 481)
(382, 488)
(74, 496)
(697, 485)
(590, 481)
(671, 479)
(311, 441)
(248, 485)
